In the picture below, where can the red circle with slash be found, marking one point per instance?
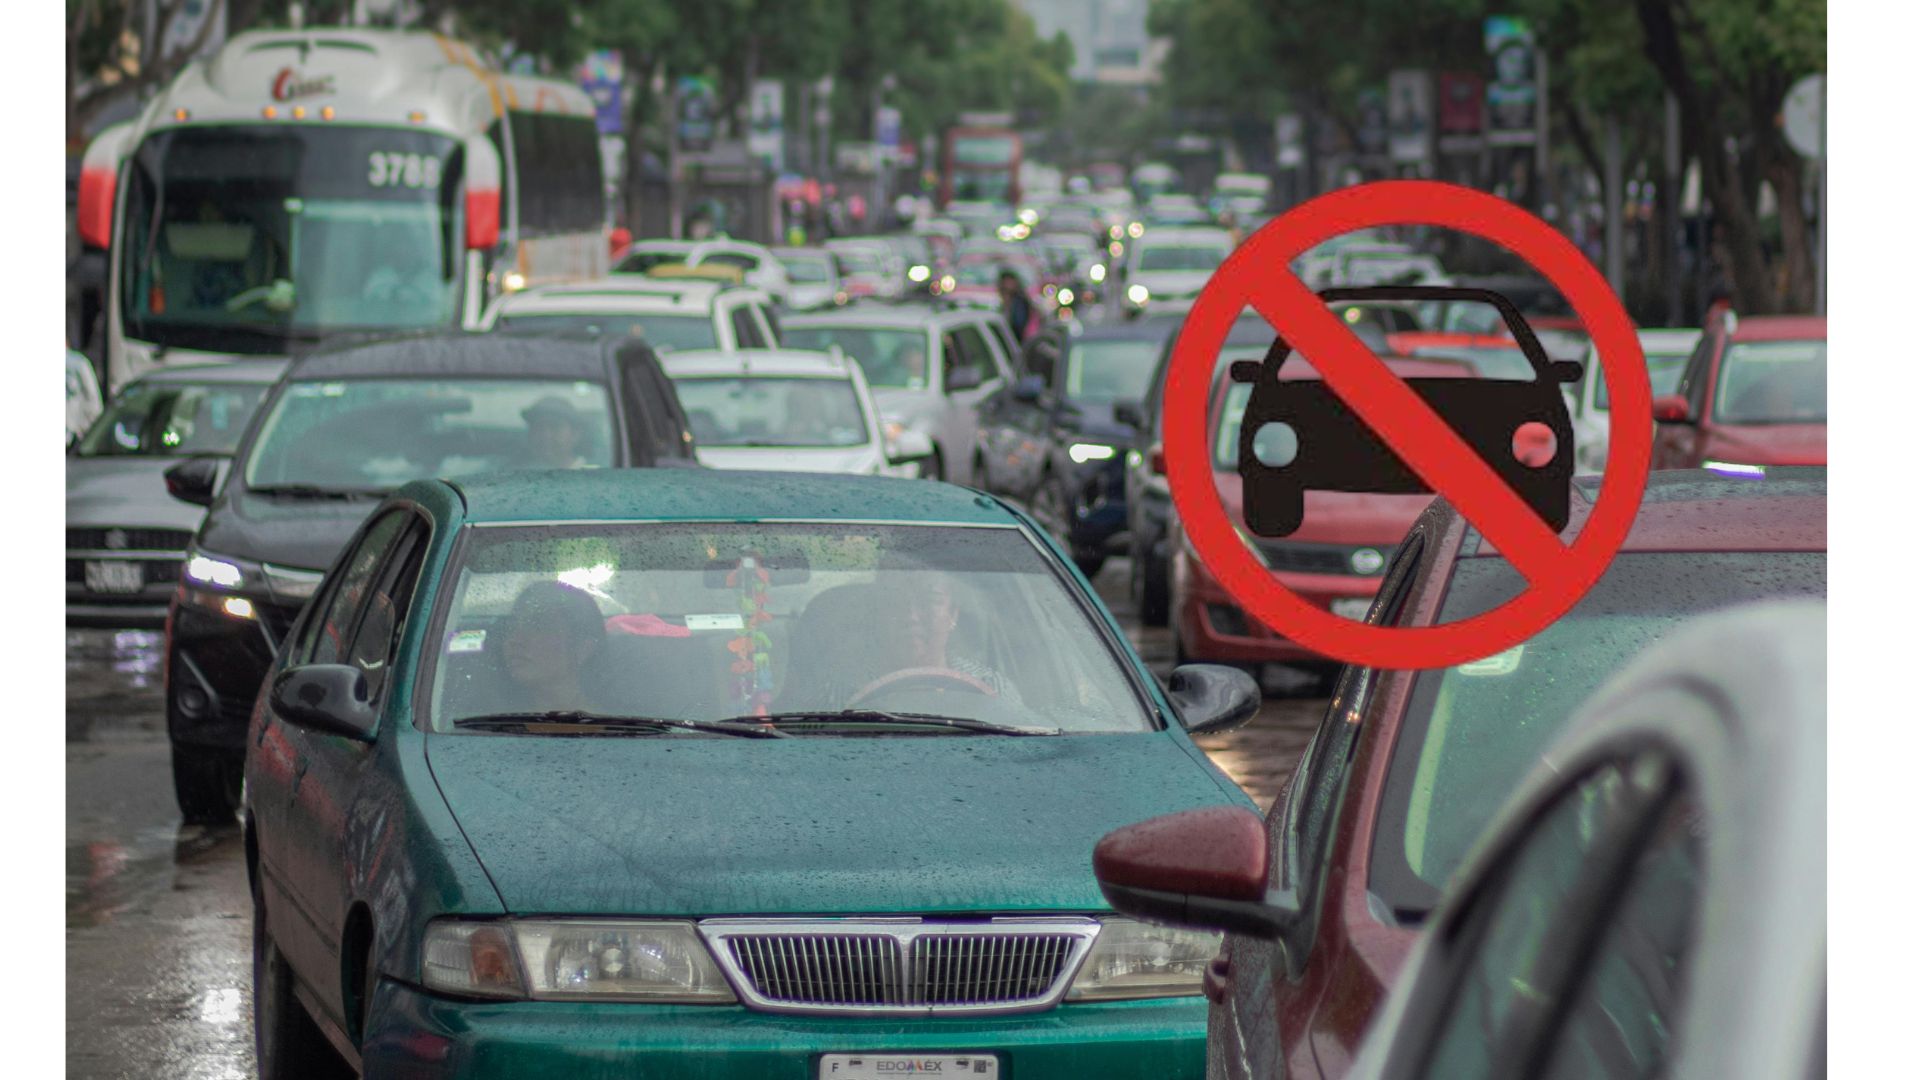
(1558, 574)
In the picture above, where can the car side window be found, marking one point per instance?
(973, 353)
(1007, 350)
(1312, 798)
(772, 321)
(376, 642)
(746, 329)
(1510, 949)
(323, 640)
(1625, 1007)
(1693, 382)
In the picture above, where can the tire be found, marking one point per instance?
(287, 1044)
(1147, 586)
(206, 783)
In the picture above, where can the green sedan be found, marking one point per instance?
(678, 773)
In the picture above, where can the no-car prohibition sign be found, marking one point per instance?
(1257, 274)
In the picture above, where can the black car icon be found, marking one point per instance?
(1297, 434)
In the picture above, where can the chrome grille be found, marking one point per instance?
(96, 539)
(900, 966)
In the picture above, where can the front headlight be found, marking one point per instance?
(573, 960)
(1139, 960)
(1083, 452)
(1138, 294)
(220, 573)
(918, 272)
(1097, 273)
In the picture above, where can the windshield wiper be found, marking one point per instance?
(630, 725)
(317, 491)
(831, 717)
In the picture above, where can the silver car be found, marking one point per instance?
(929, 367)
(126, 536)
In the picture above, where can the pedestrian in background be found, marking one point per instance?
(1014, 304)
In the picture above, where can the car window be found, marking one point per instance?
(1007, 348)
(1693, 384)
(1109, 371)
(1625, 1008)
(377, 639)
(1772, 382)
(771, 319)
(674, 619)
(972, 353)
(1663, 374)
(1507, 965)
(1471, 732)
(746, 331)
(323, 640)
(889, 357)
(156, 418)
(771, 411)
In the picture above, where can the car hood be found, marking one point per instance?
(810, 295)
(836, 459)
(126, 492)
(905, 405)
(1769, 444)
(1338, 517)
(692, 826)
(302, 534)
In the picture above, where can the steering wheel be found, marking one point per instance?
(933, 677)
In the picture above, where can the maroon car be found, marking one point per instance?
(1753, 393)
(1335, 560)
(1323, 899)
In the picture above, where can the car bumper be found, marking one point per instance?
(420, 1036)
(1213, 626)
(215, 663)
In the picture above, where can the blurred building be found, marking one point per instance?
(1110, 42)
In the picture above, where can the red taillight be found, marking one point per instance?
(1157, 459)
(483, 218)
(94, 215)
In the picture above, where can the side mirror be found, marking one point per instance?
(327, 698)
(193, 480)
(1672, 409)
(1564, 371)
(1029, 389)
(908, 447)
(1204, 868)
(1211, 697)
(1130, 414)
(966, 378)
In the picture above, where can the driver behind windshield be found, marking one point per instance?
(919, 641)
(546, 647)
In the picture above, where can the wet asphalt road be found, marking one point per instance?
(159, 953)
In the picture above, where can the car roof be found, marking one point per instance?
(626, 284)
(263, 372)
(718, 494)
(1783, 509)
(873, 315)
(1781, 328)
(755, 362)
(457, 353)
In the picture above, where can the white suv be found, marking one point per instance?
(757, 264)
(669, 315)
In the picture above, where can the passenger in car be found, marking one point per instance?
(549, 640)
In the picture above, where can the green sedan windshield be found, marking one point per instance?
(721, 621)
(1472, 732)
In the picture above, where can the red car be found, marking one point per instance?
(1323, 899)
(1754, 393)
(1334, 560)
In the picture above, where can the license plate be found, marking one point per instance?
(114, 577)
(896, 1066)
(1353, 607)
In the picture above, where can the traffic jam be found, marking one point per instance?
(1334, 594)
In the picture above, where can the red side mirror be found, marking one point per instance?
(617, 243)
(483, 194)
(1216, 851)
(1157, 459)
(1672, 409)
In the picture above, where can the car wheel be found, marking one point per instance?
(206, 783)
(1147, 586)
(287, 1044)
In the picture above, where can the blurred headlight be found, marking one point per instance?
(1083, 452)
(1138, 294)
(1137, 960)
(1114, 249)
(918, 272)
(1029, 217)
(574, 960)
(1065, 297)
(1136, 230)
(1735, 468)
(1097, 273)
(219, 573)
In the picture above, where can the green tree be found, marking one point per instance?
(115, 52)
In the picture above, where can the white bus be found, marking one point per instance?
(300, 184)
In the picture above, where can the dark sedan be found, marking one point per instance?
(1409, 767)
(1058, 437)
(342, 429)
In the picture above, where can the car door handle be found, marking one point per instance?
(1213, 981)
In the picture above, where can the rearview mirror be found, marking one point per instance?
(908, 447)
(1204, 868)
(1212, 697)
(782, 567)
(1672, 409)
(328, 698)
(193, 480)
